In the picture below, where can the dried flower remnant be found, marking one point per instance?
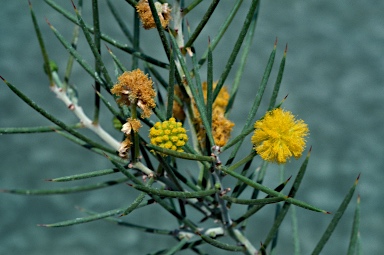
(279, 136)
(125, 146)
(146, 17)
(135, 88)
(221, 126)
(131, 124)
(177, 109)
(168, 134)
(127, 128)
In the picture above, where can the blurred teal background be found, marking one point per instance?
(334, 79)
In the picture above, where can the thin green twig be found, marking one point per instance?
(202, 23)
(64, 190)
(336, 218)
(47, 66)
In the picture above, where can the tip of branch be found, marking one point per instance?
(1, 77)
(74, 6)
(286, 49)
(49, 180)
(327, 212)
(49, 24)
(357, 179)
(285, 97)
(106, 155)
(275, 44)
(29, 3)
(108, 49)
(288, 179)
(309, 152)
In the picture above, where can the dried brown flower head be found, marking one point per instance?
(177, 109)
(221, 126)
(136, 88)
(146, 16)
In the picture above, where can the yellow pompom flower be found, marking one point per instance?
(168, 134)
(279, 136)
(136, 88)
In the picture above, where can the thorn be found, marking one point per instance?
(42, 225)
(1, 77)
(357, 179)
(49, 24)
(48, 180)
(209, 40)
(73, 4)
(327, 212)
(107, 156)
(286, 49)
(108, 49)
(275, 42)
(285, 97)
(310, 149)
(29, 3)
(288, 179)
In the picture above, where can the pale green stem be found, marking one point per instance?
(249, 248)
(78, 111)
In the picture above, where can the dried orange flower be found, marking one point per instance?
(135, 88)
(177, 109)
(146, 16)
(279, 136)
(221, 126)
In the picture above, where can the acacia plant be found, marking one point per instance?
(178, 110)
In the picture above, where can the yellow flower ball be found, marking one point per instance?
(279, 136)
(168, 134)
